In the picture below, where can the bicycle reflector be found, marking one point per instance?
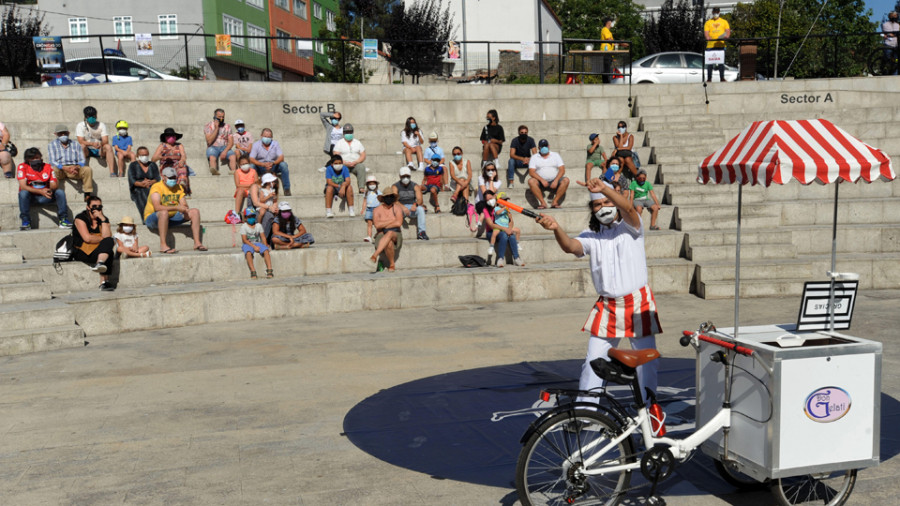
(657, 420)
(545, 396)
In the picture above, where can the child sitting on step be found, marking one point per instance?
(371, 197)
(127, 240)
(254, 241)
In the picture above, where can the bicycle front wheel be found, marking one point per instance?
(828, 489)
(551, 467)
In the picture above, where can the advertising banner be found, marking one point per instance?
(144, 43)
(49, 53)
(223, 44)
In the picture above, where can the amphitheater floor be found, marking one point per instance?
(255, 413)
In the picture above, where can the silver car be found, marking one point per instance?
(675, 67)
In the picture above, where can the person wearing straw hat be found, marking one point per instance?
(614, 244)
(388, 218)
(171, 153)
(371, 198)
(127, 240)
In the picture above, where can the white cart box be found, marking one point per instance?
(817, 409)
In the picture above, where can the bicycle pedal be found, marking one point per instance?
(655, 500)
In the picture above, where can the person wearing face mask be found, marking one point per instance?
(337, 185)
(488, 181)
(640, 192)
(67, 158)
(626, 308)
(92, 241)
(127, 240)
(521, 149)
(387, 219)
(595, 156)
(548, 173)
(503, 233)
(121, 143)
(371, 196)
(354, 155)
(411, 141)
(492, 138)
(253, 240)
(623, 143)
(434, 180)
(94, 140)
(433, 149)
(219, 143)
(171, 153)
(716, 30)
(268, 157)
(288, 231)
(613, 170)
(242, 140)
(460, 175)
(142, 174)
(334, 132)
(264, 198)
(606, 34)
(409, 195)
(244, 179)
(167, 207)
(38, 184)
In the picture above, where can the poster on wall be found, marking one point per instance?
(453, 50)
(49, 53)
(370, 49)
(223, 44)
(714, 57)
(527, 51)
(144, 43)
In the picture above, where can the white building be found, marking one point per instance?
(651, 7)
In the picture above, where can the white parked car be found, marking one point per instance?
(90, 71)
(676, 67)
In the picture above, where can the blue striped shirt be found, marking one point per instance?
(65, 155)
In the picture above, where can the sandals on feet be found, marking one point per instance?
(170, 251)
(269, 274)
(201, 248)
(253, 275)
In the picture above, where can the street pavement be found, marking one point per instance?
(276, 412)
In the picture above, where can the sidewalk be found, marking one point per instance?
(255, 413)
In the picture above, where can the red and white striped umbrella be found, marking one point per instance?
(809, 151)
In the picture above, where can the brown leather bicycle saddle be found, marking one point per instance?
(633, 358)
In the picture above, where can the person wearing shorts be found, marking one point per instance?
(167, 207)
(548, 173)
(643, 197)
(434, 180)
(253, 239)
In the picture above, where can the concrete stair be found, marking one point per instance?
(38, 326)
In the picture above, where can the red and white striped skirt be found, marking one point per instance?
(632, 315)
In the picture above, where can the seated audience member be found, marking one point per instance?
(489, 180)
(167, 207)
(460, 175)
(268, 157)
(94, 140)
(641, 193)
(337, 185)
(38, 184)
(521, 149)
(434, 149)
(596, 157)
(492, 138)
(371, 200)
(288, 231)
(409, 195)
(497, 219)
(613, 170)
(92, 240)
(254, 241)
(242, 140)
(434, 180)
(264, 198)
(127, 240)
(6, 161)
(334, 132)
(411, 142)
(354, 155)
(121, 144)
(548, 173)
(219, 143)
(170, 153)
(142, 174)
(67, 158)
(244, 179)
(623, 143)
(388, 218)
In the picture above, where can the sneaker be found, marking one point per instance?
(501, 263)
(351, 211)
(65, 224)
(329, 214)
(518, 261)
(412, 166)
(509, 186)
(368, 238)
(214, 171)
(113, 174)
(421, 165)
(321, 169)
(491, 251)
(287, 192)
(422, 236)
(25, 225)
(106, 287)
(98, 267)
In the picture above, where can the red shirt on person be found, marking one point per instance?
(34, 178)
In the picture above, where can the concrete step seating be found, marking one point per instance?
(38, 326)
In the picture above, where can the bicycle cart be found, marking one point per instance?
(773, 403)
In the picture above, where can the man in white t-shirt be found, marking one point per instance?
(94, 140)
(354, 154)
(548, 173)
(614, 244)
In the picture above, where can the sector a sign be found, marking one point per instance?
(827, 404)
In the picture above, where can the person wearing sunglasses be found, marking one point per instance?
(92, 240)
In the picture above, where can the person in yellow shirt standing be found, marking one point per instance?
(606, 34)
(716, 30)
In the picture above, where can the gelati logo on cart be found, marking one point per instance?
(827, 404)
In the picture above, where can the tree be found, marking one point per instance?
(17, 50)
(583, 19)
(677, 28)
(418, 37)
(375, 16)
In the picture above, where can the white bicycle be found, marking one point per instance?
(584, 453)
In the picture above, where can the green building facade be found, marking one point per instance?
(238, 18)
(324, 13)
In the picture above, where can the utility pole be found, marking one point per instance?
(540, 42)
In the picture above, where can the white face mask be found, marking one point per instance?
(605, 215)
(123, 132)
(492, 202)
(404, 180)
(490, 173)
(373, 187)
(621, 130)
(144, 159)
(246, 167)
(127, 229)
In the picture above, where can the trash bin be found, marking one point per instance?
(748, 61)
(795, 419)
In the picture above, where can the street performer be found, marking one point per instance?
(626, 308)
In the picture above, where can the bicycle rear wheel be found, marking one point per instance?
(828, 489)
(550, 469)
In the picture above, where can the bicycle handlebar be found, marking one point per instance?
(688, 336)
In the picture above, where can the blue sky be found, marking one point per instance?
(880, 8)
